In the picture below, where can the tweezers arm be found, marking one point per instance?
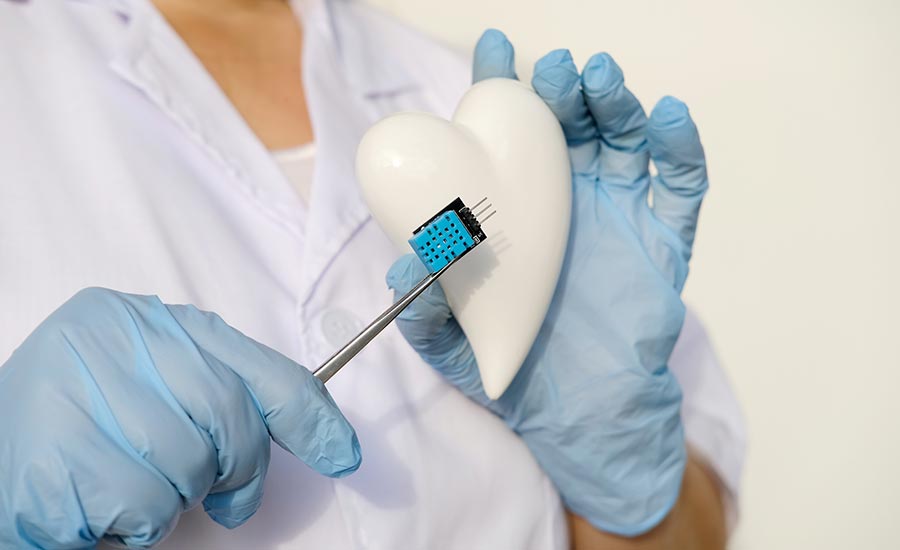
(349, 351)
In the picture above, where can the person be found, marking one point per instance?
(200, 152)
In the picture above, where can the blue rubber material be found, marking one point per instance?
(441, 241)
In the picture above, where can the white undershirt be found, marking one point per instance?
(297, 163)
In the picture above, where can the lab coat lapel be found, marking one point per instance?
(344, 76)
(339, 86)
(155, 60)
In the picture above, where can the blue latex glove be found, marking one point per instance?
(594, 400)
(120, 412)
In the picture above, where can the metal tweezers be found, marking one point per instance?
(349, 351)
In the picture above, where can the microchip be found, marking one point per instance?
(447, 235)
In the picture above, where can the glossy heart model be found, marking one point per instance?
(504, 144)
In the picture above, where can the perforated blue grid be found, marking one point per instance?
(441, 241)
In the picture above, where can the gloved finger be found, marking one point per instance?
(212, 441)
(234, 507)
(197, 425)
(557, 82)
(140, 343)
(682, 180)
(297, 409)
(65, 498)
(621, 122)
(494, 57)
(227, 412)
(142, 506)
(430, 328)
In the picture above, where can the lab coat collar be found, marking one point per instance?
(339, 117)
(153, 58)
(343, 73)
(121, 7)
(369, 71)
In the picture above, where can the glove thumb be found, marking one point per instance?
(430, 328)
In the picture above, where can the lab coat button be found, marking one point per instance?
(339, 326)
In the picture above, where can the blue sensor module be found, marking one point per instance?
(448, 235)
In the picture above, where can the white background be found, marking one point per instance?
(797, 261)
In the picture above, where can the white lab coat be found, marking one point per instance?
(124, 166)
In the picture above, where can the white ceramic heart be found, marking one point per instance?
(505, 144)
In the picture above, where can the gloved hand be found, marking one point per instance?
(120, 412)
(594, 400)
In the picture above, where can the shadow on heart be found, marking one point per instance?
(480, 263)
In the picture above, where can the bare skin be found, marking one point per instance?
(252, 50)
(697, 522)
